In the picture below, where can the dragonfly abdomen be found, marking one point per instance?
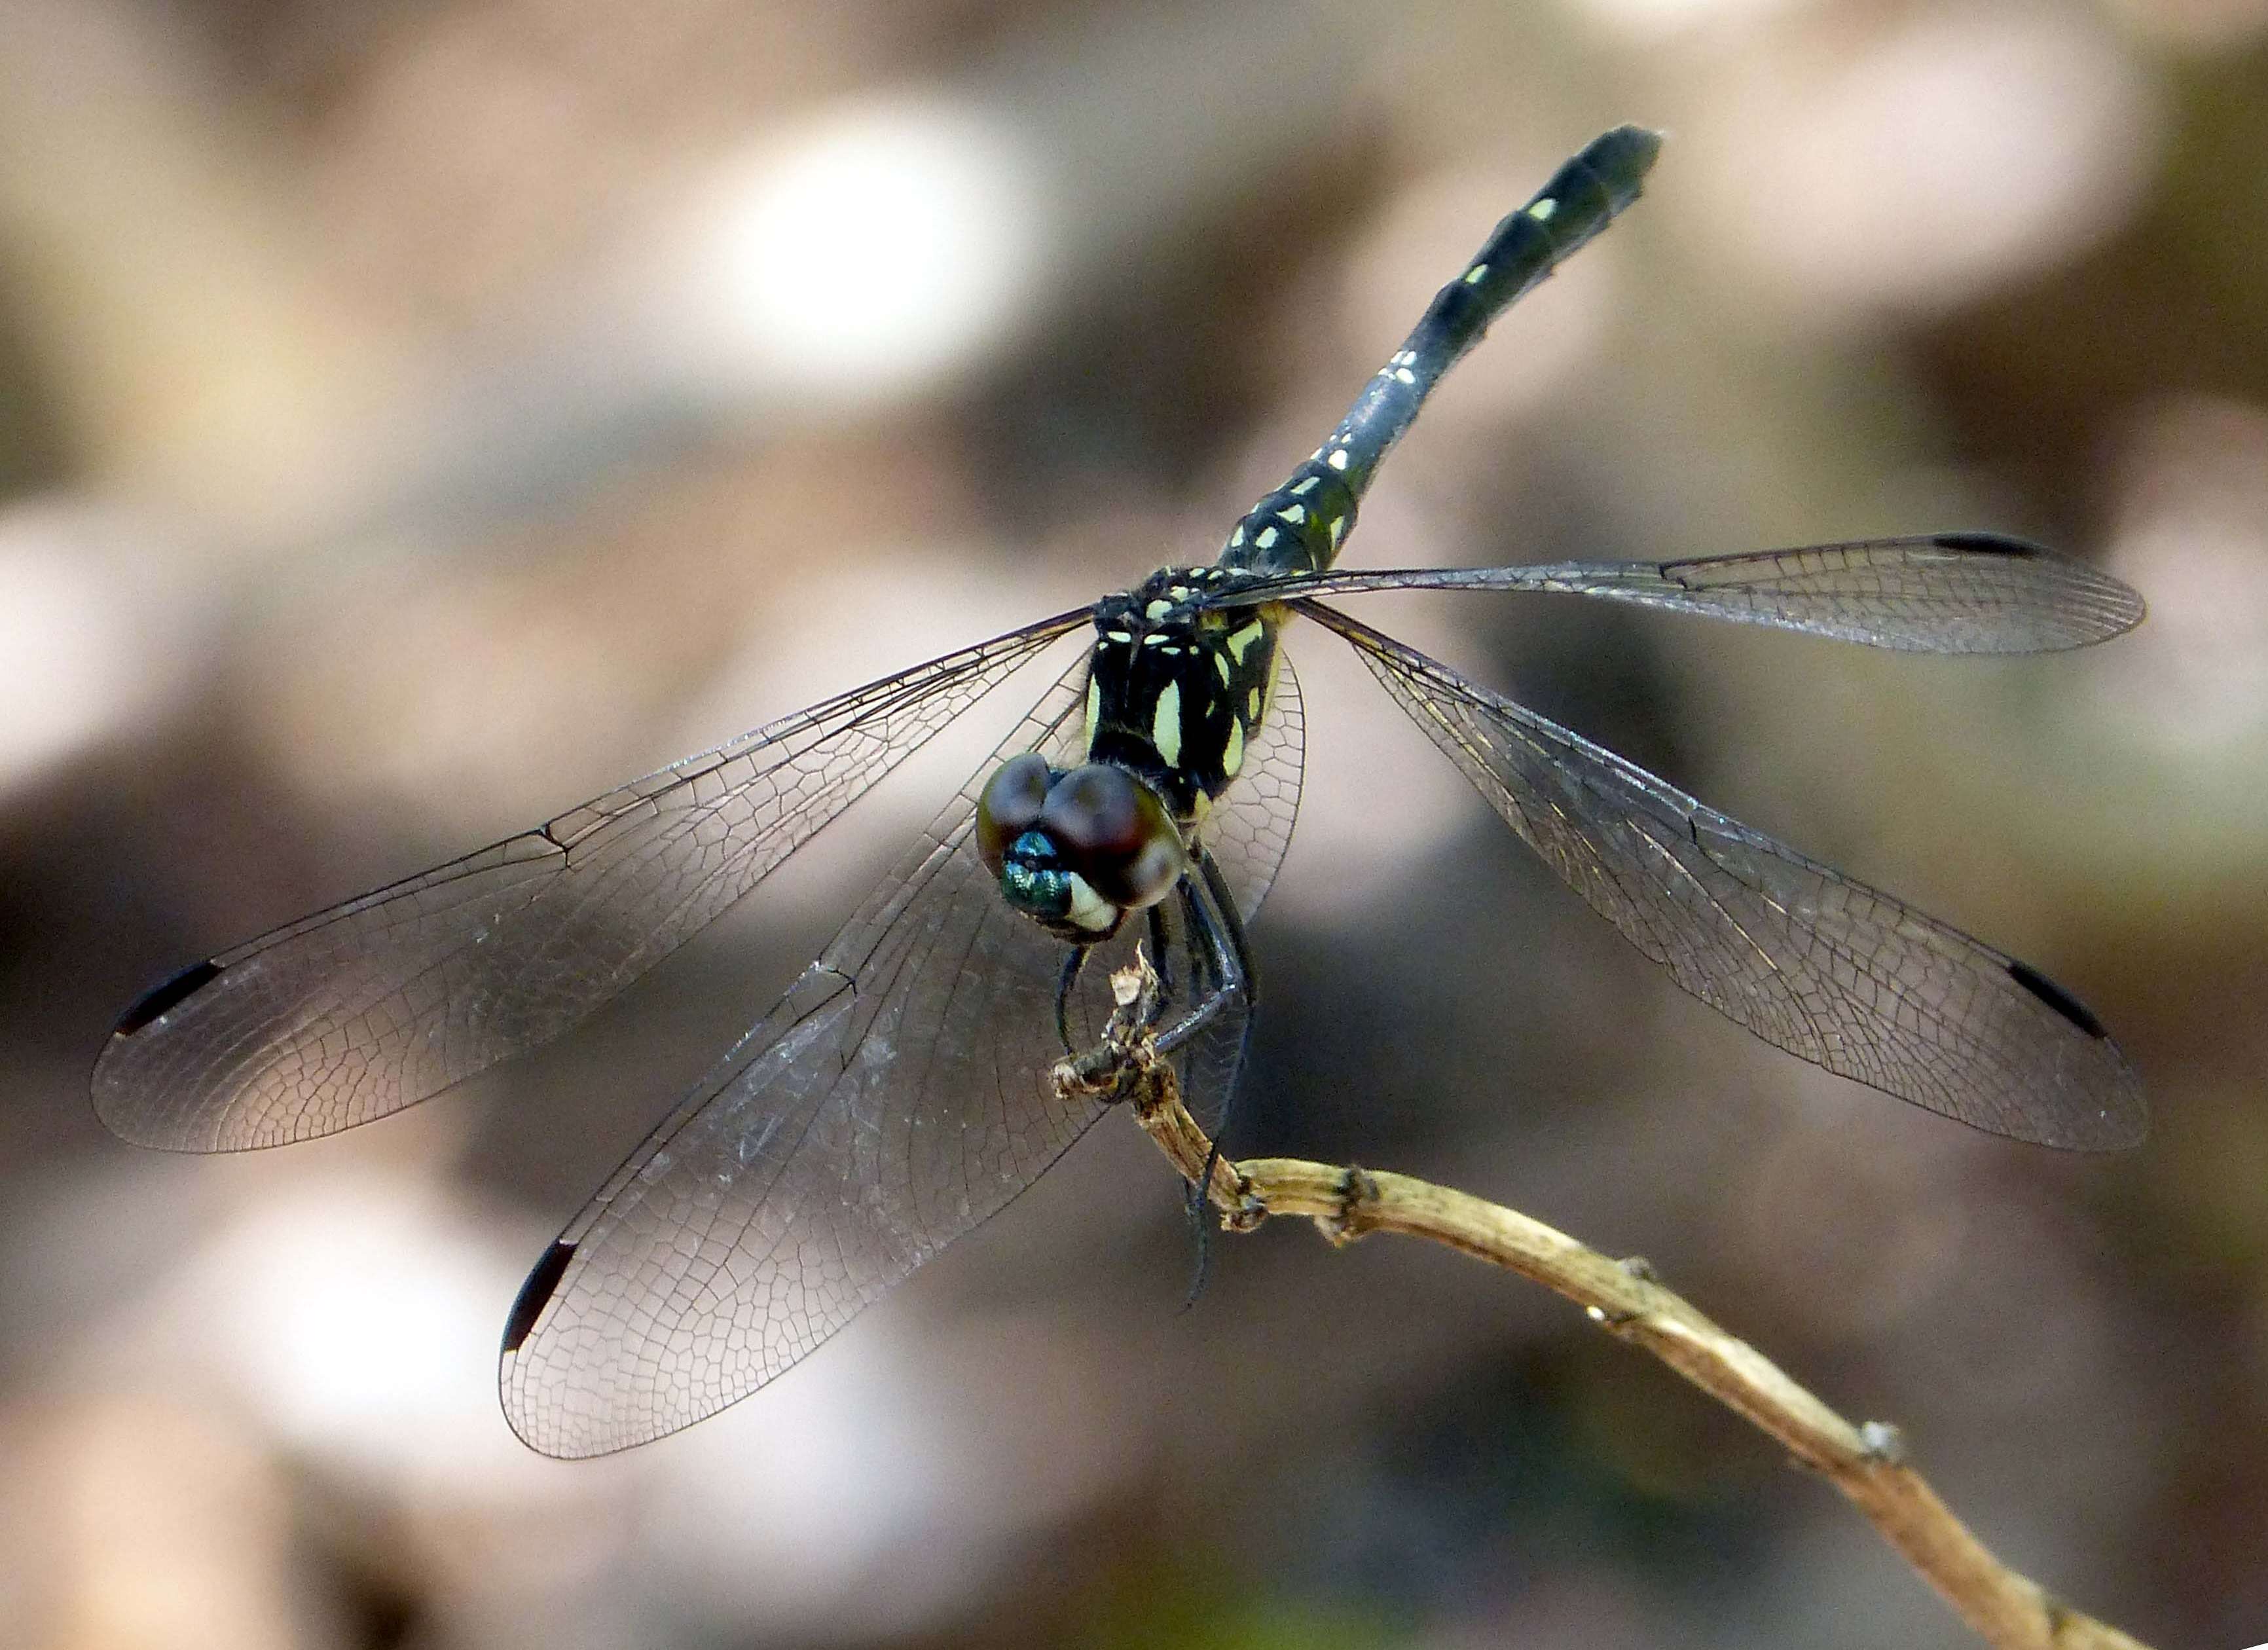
(1582, 198)
(1299, 526)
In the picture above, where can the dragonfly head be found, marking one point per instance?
(1076, 852)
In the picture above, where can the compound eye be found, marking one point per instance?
(1114, 832)
(1010, 805)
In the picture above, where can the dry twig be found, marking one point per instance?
(1866, 1462)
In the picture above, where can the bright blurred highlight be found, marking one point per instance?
(2192, 531)
(872, 253)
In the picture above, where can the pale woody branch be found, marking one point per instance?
(1865, 1462)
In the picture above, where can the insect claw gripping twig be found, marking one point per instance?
(1123, 1060)
(1124, 1064)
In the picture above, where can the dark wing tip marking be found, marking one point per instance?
(535, 1294)
(169, 994)
(2056, 997)
(1990, 544)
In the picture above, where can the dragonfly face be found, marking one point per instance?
(1076, 852)
(1176, 695)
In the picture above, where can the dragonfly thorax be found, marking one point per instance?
(1177, 689)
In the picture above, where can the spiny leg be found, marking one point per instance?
(1218, 919)
(1065, 983)
(1299, 526)
(1225, 924)
(1161, 953)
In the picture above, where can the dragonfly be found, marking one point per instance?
(898, 1093)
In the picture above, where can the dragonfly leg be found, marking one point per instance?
(1223, 923)
(1064, 983)
(1161, 953)
(1229, 954)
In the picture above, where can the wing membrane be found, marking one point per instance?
(1966, 592)
(1251, 830)
(357, 1012)
(1832, 971)
(896, 1097)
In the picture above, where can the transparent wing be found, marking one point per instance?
(1953, 593)
(1250, 831)
(1823, 967)
(359, 1011)
(896, 1097)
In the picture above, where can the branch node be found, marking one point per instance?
(1246, 1214)
(1356, 1212)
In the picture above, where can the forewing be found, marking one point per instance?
(897, 1096)
(1830, 970)
(1951, 592)
(359, 1011)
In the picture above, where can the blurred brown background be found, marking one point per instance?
(417, 417)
